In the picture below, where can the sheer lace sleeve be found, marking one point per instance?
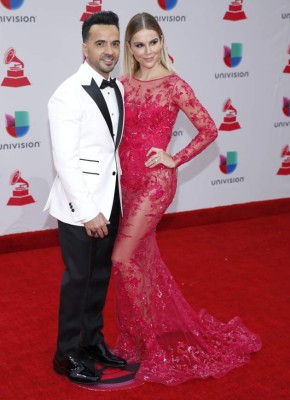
(184, 98)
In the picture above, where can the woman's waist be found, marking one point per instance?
(136, 149)
(135, 167)
(146, 138)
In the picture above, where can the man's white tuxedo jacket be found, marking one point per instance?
(84, 151)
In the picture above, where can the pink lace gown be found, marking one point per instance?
(157, 326)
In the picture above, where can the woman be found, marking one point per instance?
(157, 326)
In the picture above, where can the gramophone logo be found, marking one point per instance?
(287, 68)
(17, 126)
(229, 162)
(285, 167)
(12, 4)
(91, 8)
(15, 73)
(286, 106)
(235, 11)
(230, 122)
(167, 4)
(20, 195)
(233, 55)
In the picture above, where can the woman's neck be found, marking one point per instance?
(145, 74)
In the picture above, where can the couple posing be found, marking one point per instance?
(100, 126)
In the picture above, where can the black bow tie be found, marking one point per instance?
(105, 83)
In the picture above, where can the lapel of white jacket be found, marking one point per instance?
(94, 91)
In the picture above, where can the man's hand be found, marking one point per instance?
(97, 227)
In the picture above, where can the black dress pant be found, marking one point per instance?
(84, 283)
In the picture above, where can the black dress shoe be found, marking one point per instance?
(77, 371)
(101, 354)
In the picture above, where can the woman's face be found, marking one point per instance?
(145, 46)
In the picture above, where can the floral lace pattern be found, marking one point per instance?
(157, 326)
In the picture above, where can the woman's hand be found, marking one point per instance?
(159, 156)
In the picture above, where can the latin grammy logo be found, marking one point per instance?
(91, 8)
(15, 74)
(20, 196)
(235, 11)
(285, 167)
(230, 122)
(287, 68)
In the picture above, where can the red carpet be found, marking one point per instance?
(231, 268)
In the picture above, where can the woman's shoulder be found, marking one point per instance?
(179, 84)
(123, 79)
(177, 79)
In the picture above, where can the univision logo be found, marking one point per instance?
(286, 112)
(285, 15)
(177, 133)
(232, 58)
(286, 106)
(12, 4)
(228, 163)
(17, 126)
(233, 55)
(167, 4)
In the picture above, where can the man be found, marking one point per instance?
(86, 123)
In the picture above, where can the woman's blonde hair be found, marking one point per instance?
(137, 23)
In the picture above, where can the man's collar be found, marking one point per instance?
(94, 74)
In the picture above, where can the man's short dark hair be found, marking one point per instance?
(100, 18)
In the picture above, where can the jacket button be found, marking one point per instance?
(114, 173)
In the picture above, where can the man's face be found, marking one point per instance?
(102, 49)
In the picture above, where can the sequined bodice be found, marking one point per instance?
(151, 109)
(150, 113)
